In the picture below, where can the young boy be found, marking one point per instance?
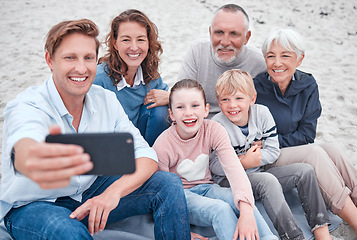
(253, 135)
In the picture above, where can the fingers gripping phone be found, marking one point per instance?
(111, 153)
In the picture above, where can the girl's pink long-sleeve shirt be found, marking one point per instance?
(189, 159)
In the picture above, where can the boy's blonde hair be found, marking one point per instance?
(232, 81)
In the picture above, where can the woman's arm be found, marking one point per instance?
(306, 130)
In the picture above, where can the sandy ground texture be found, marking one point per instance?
(329, 28)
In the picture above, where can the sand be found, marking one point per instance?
(329, 28)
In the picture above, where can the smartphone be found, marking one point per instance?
(111, 153)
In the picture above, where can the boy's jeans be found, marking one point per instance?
(161, 195)
(212, 205)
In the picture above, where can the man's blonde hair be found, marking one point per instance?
(232, 81)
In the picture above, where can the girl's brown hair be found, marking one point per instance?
(116, 66)
(188, 84)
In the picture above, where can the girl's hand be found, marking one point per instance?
(246, 226)
(156, 97)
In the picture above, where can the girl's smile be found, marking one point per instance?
(188, 110)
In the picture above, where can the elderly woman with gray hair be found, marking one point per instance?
(293, 99)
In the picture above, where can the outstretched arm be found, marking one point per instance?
(51, 165)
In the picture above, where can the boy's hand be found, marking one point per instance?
(253, 158)
(258, 144)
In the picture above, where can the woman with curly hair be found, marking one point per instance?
(129, 68)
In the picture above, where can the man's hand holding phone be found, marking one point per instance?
(51, 165)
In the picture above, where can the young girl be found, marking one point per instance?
(184, 149)
(130, 70)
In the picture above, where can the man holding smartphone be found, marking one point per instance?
(43, 191)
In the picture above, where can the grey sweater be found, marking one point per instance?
(200, 65)
(261, 126)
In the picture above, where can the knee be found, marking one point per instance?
(159, 114)
(168, 178)
(306, 174)
(169, 181)
(223, 209)
(67, 228)
(268, 185)
(305, 170)
(316, 151)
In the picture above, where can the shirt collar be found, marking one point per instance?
(59, 105)
(56, 97)
(139, 79)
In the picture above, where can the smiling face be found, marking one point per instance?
(188, 110)
(281, 64)
(236, 107)
(228, 35)
(73, 66)
(132, 44)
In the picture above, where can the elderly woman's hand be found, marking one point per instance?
(156, 97)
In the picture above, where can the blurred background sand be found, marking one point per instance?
(329, 28)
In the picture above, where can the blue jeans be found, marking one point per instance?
(152, 122)
(161, 195)
(212, 205)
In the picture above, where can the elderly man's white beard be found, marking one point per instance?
(228, 61)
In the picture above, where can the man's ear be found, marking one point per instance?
(247, 37)
(171, 115)
(49, 60)
(209, 30)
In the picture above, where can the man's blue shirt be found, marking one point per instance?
(31, 114)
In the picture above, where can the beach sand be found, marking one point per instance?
(329, 28)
